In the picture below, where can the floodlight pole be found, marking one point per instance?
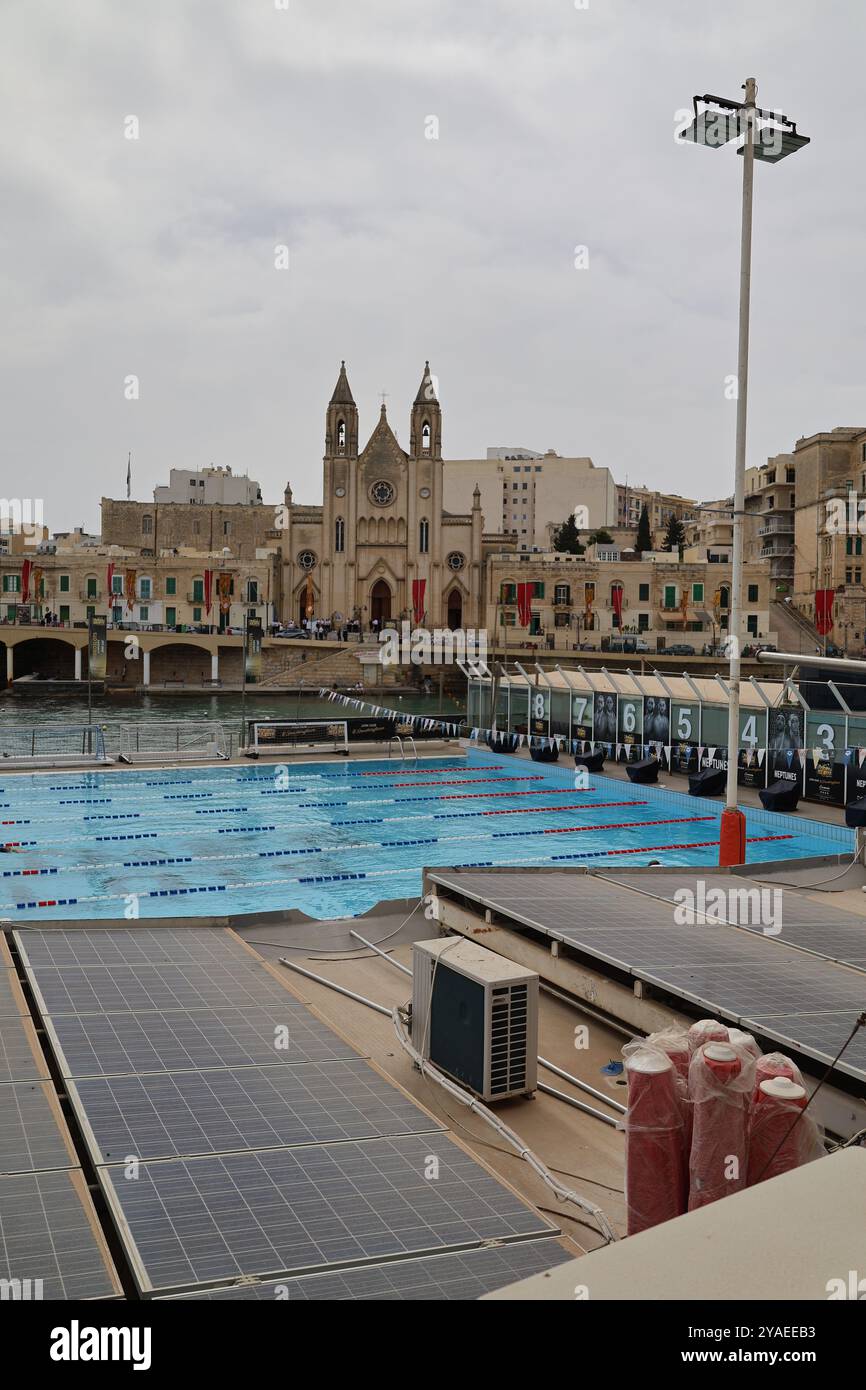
(734, 816)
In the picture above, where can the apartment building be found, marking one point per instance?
(658, 596)
(528, 495)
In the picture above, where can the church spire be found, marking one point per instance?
(342, 391)
(427, 390)
(426, 432)
(341, 423)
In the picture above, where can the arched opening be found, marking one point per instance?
(455, 610)
(341, 437)
(45, 657)
(424, 535)
(175, 662)
(339, 535)
(307, 604)
(425, 437)
(380, 602)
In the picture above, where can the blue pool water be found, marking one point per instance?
(334, 839)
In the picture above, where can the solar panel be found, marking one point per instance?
(12, 1002)
(777, 988)
(766, 980)
(186, 1113)
(113, 1044)
(828, 929)
(293, 1210)
(33, 1134)
(49, 1233)
(821, 1033)
(21, 1057)
(467, 1275)
(133, 945)
(111, 989)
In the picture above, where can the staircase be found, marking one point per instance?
(795, 632)
(344, 667)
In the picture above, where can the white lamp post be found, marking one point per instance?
(718, 123)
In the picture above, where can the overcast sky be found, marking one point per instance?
(307, 127)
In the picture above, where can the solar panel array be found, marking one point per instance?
(784, 986)
(467, 1275)
(51, 1245)
(236, 1136)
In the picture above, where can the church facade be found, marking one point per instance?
(382, 547)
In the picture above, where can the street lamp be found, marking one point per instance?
(770, 137)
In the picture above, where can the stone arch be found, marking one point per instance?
(380, 601)
(178, 661)
(44, 656)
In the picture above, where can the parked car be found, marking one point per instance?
(678, 649)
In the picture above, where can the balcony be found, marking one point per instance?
(87, 597)
(781, 552)
(782, 523)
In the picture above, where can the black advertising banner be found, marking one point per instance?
(716, 758)
(539, 710)
(253, 651)
(630, 725)
(784, 766)
(825, 779)
(752, 757)
(752, 767)
(604, 719)
(855, 782)
(582, 717)
(97, 647)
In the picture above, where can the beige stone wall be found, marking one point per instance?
(645, 584)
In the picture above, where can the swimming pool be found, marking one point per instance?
(334, 839)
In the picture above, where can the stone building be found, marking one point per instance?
(383, 544)
(528, 495)
(660, 598)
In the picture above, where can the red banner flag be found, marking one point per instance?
(524, 603)
(418, 587)
(616, 600)
(208, 591)
(824, 610)
(26, 567)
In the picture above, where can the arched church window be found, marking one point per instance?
(424, 536)
(341, 437)
(425, 437)
(339, 534)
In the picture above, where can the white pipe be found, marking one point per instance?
(836, 663)
(320, 980)
(583, 1085)
(384, 954)
(577, 1104)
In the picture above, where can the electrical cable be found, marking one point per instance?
(347, 952)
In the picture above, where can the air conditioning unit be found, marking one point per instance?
(475, 1016)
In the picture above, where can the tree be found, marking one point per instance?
(676, 534)
(644, 538)
(567, 539)
(602, 536)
